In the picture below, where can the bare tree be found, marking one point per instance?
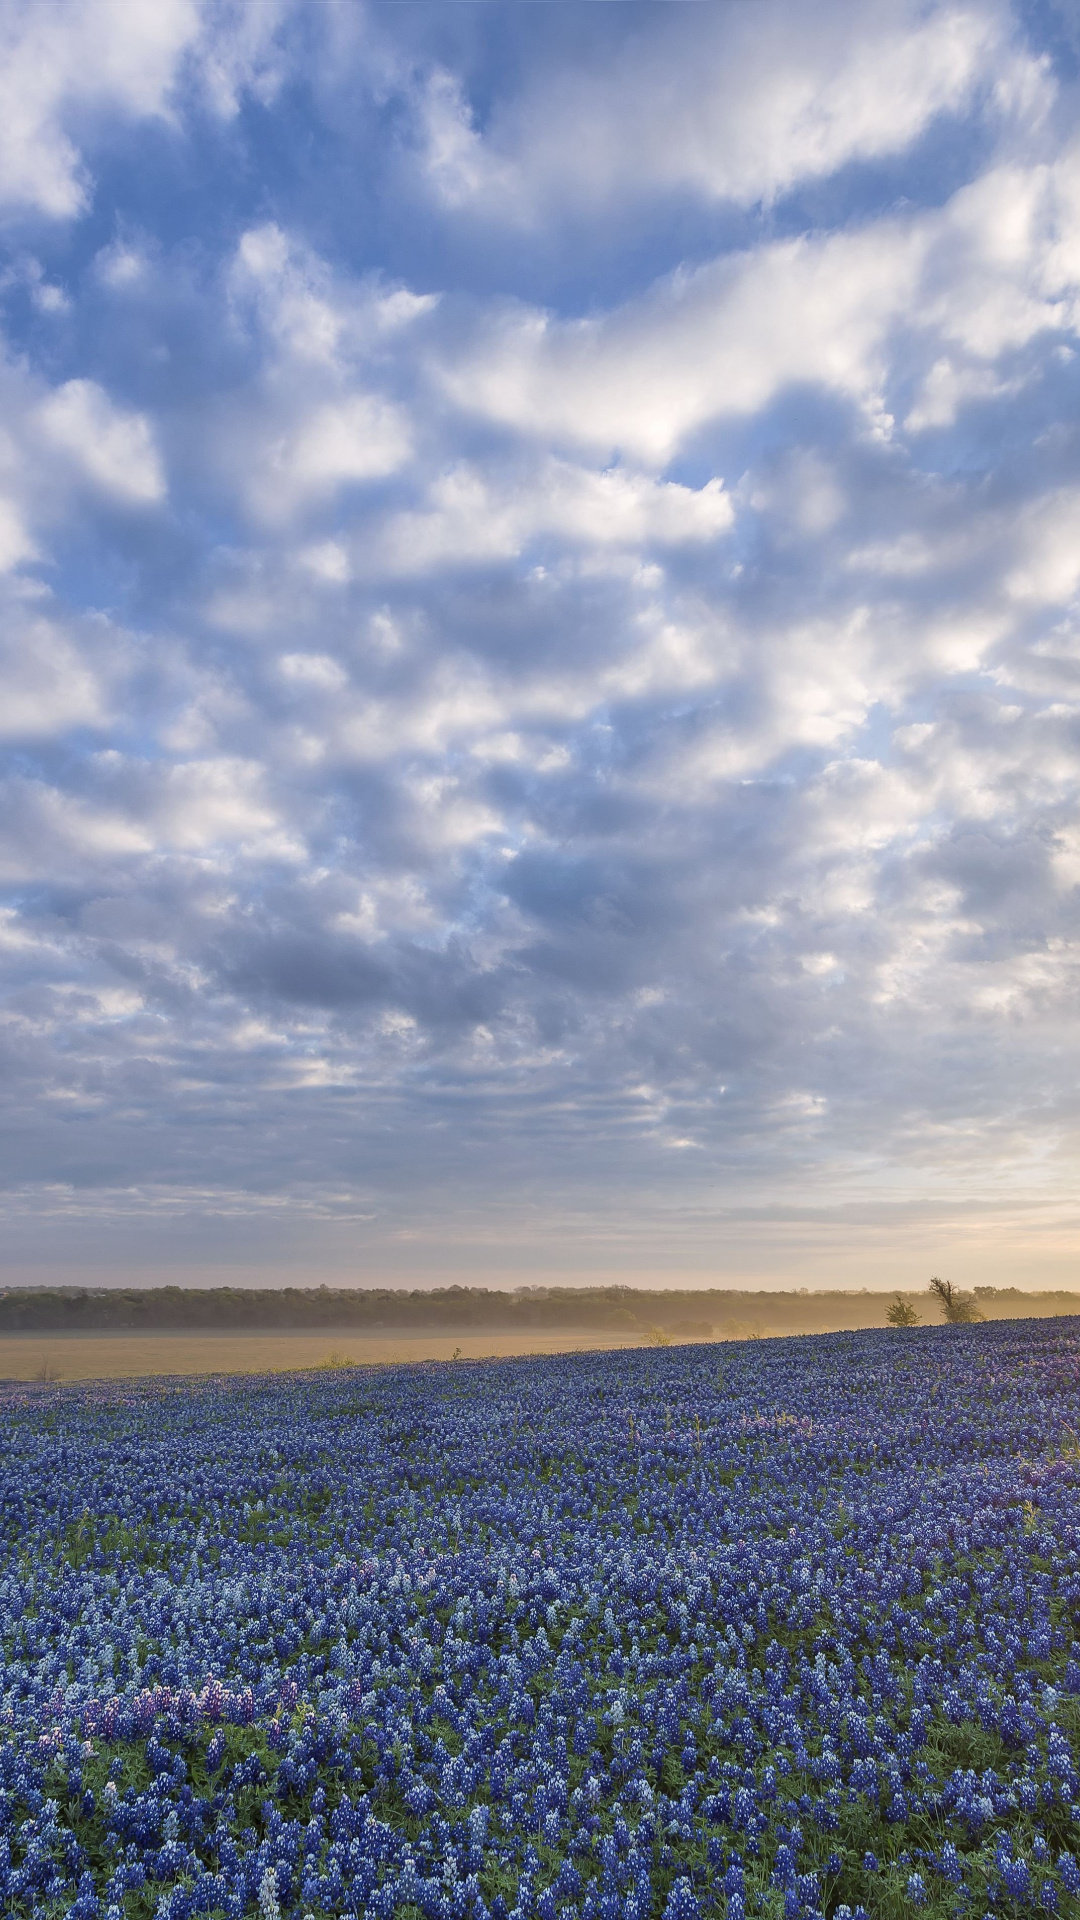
(958, 1309)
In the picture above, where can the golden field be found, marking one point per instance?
(120, 1356)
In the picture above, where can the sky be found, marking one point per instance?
(540, 657)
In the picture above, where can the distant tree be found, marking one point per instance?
(958, 1309)
(902, 1313)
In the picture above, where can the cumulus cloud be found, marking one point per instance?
(308, 312)
(993, 270)
(115, 450)
(68, 66)
(15, 541)
(723, 106)
(317, 420)
(469, 516)
(541, 667)
(722, 339)
(49, 680)
(58, 59)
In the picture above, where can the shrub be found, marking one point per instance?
(958, 1309)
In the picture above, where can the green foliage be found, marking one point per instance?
(112, 1537)
(902, 1313)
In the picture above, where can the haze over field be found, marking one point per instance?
(120, 1334)
(540, 551)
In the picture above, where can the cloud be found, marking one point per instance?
(1048, 565)
(721, 106)
(310, 313)
(113, 58)
(114, 450)
(541, 650)
(15, 542)
(471, 517)
(362, 437)
(50, 686)
(988, 273)
(69, 68)
(948, 387)
(317, 421)
(722, 339)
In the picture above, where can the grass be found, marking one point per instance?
(120, 1356)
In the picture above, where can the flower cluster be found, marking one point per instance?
(779, 1628)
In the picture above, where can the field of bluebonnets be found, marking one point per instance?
(783, 1628)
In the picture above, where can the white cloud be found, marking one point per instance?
(725, 104)
(948, 387)
(456, 161)
(318, 419)
(360, 439)
(83, 55)
(113, 449)
(471, 516)
(723, 339)
(1047, 568)
(121, 265)
(308, 313)
(48, 685)
(46, 830)
(313, 670)
(1003, 259)
(237, 53)
(343, 442)
(15, 542)
(291, 290)
(64, 65)
(988, 273)
(326, 560)
(1028, 554)
(216, 810)
(219, 802)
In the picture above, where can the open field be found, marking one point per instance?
(119, 1356)
(783, 1630)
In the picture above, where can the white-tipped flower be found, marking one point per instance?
(268, 1895)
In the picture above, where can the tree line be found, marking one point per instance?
(684, 1313)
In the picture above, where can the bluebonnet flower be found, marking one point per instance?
(682, 1903)
(1069, 1872)
(510, 1676)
